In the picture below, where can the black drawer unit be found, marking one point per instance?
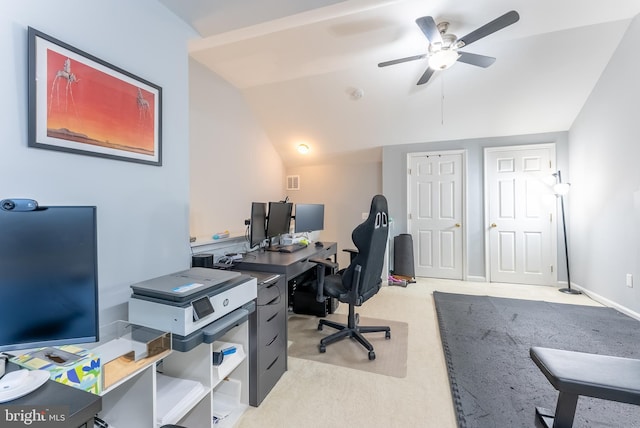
(267, 336)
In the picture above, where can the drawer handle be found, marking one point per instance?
(273, 340)
(274, 301)
(274, 361)
(273, 316)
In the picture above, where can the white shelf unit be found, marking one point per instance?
(230, 387)
(184, 388)
(229, 363)
(131, 403)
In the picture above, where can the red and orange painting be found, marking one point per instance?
(86, 105)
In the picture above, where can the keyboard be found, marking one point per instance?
(291, 248)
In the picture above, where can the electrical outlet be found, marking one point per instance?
(629, 280)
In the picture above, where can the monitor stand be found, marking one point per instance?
(272, 247)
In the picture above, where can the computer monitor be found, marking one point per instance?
(279, 218)
(309, 218)
(257, 225)
(48, 277)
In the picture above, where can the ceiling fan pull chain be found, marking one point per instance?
(442, 100)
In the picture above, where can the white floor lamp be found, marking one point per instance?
(562, 189)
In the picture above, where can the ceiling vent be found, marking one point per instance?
(293, 182)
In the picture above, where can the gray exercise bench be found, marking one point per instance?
(577, 373)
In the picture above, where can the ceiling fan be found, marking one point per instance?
(444, 48)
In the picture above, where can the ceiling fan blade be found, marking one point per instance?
(430, 29)
(497, 24)
(475, 59)
(426, 76)
(398, 61)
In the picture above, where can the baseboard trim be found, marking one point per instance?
(472, 278)
(610, 303)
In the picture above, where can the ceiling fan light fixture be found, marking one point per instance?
(303, 148)
(443, 59)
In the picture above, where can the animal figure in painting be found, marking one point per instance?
(69, 78)
(143, 105)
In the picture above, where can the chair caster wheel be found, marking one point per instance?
(387, 335)
(323, 349)
(372, 355)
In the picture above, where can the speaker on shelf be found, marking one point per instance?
(202, 260)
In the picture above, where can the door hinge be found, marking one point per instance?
(409, 171)
(551, 268)
(550, 217)
(409, 216)
(549, 164)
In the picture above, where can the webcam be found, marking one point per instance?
(18, 205)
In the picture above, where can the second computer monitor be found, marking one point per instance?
(257, 225)
(279, 218)
(309, 217)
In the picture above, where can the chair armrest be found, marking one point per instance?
(352, 253)
(324, 263)
(321, 265)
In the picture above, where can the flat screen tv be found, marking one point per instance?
(257, 224)
(309, 218)
(48, 277)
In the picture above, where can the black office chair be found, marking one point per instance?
(361, 280)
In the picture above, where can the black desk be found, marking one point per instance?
(82, 405)
(290, 265)
(293, 266)
(268, 338)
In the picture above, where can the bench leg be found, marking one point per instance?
(565, 410)
(544, 418)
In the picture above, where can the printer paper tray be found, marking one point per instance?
(213, 331)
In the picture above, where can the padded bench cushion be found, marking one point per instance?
(598, 376)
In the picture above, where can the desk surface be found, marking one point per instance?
(290, 264)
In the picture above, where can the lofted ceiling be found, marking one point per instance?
(308, 68)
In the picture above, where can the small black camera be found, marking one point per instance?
(18, 205)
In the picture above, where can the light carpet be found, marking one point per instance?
(391, 354)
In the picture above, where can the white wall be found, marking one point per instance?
(142, 210)
(604, 202)
(346, 190)
(232, 161)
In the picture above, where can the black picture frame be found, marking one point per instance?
(81, 104)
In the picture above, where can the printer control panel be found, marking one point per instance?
(202, 307)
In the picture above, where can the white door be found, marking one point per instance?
(436, 213)
(520, 207)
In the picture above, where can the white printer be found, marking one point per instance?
(196, 305)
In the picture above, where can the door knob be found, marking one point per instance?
(494, 225)
(457, 224)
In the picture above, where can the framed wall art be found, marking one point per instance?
(81, 104)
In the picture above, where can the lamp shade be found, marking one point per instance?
(561, 188)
